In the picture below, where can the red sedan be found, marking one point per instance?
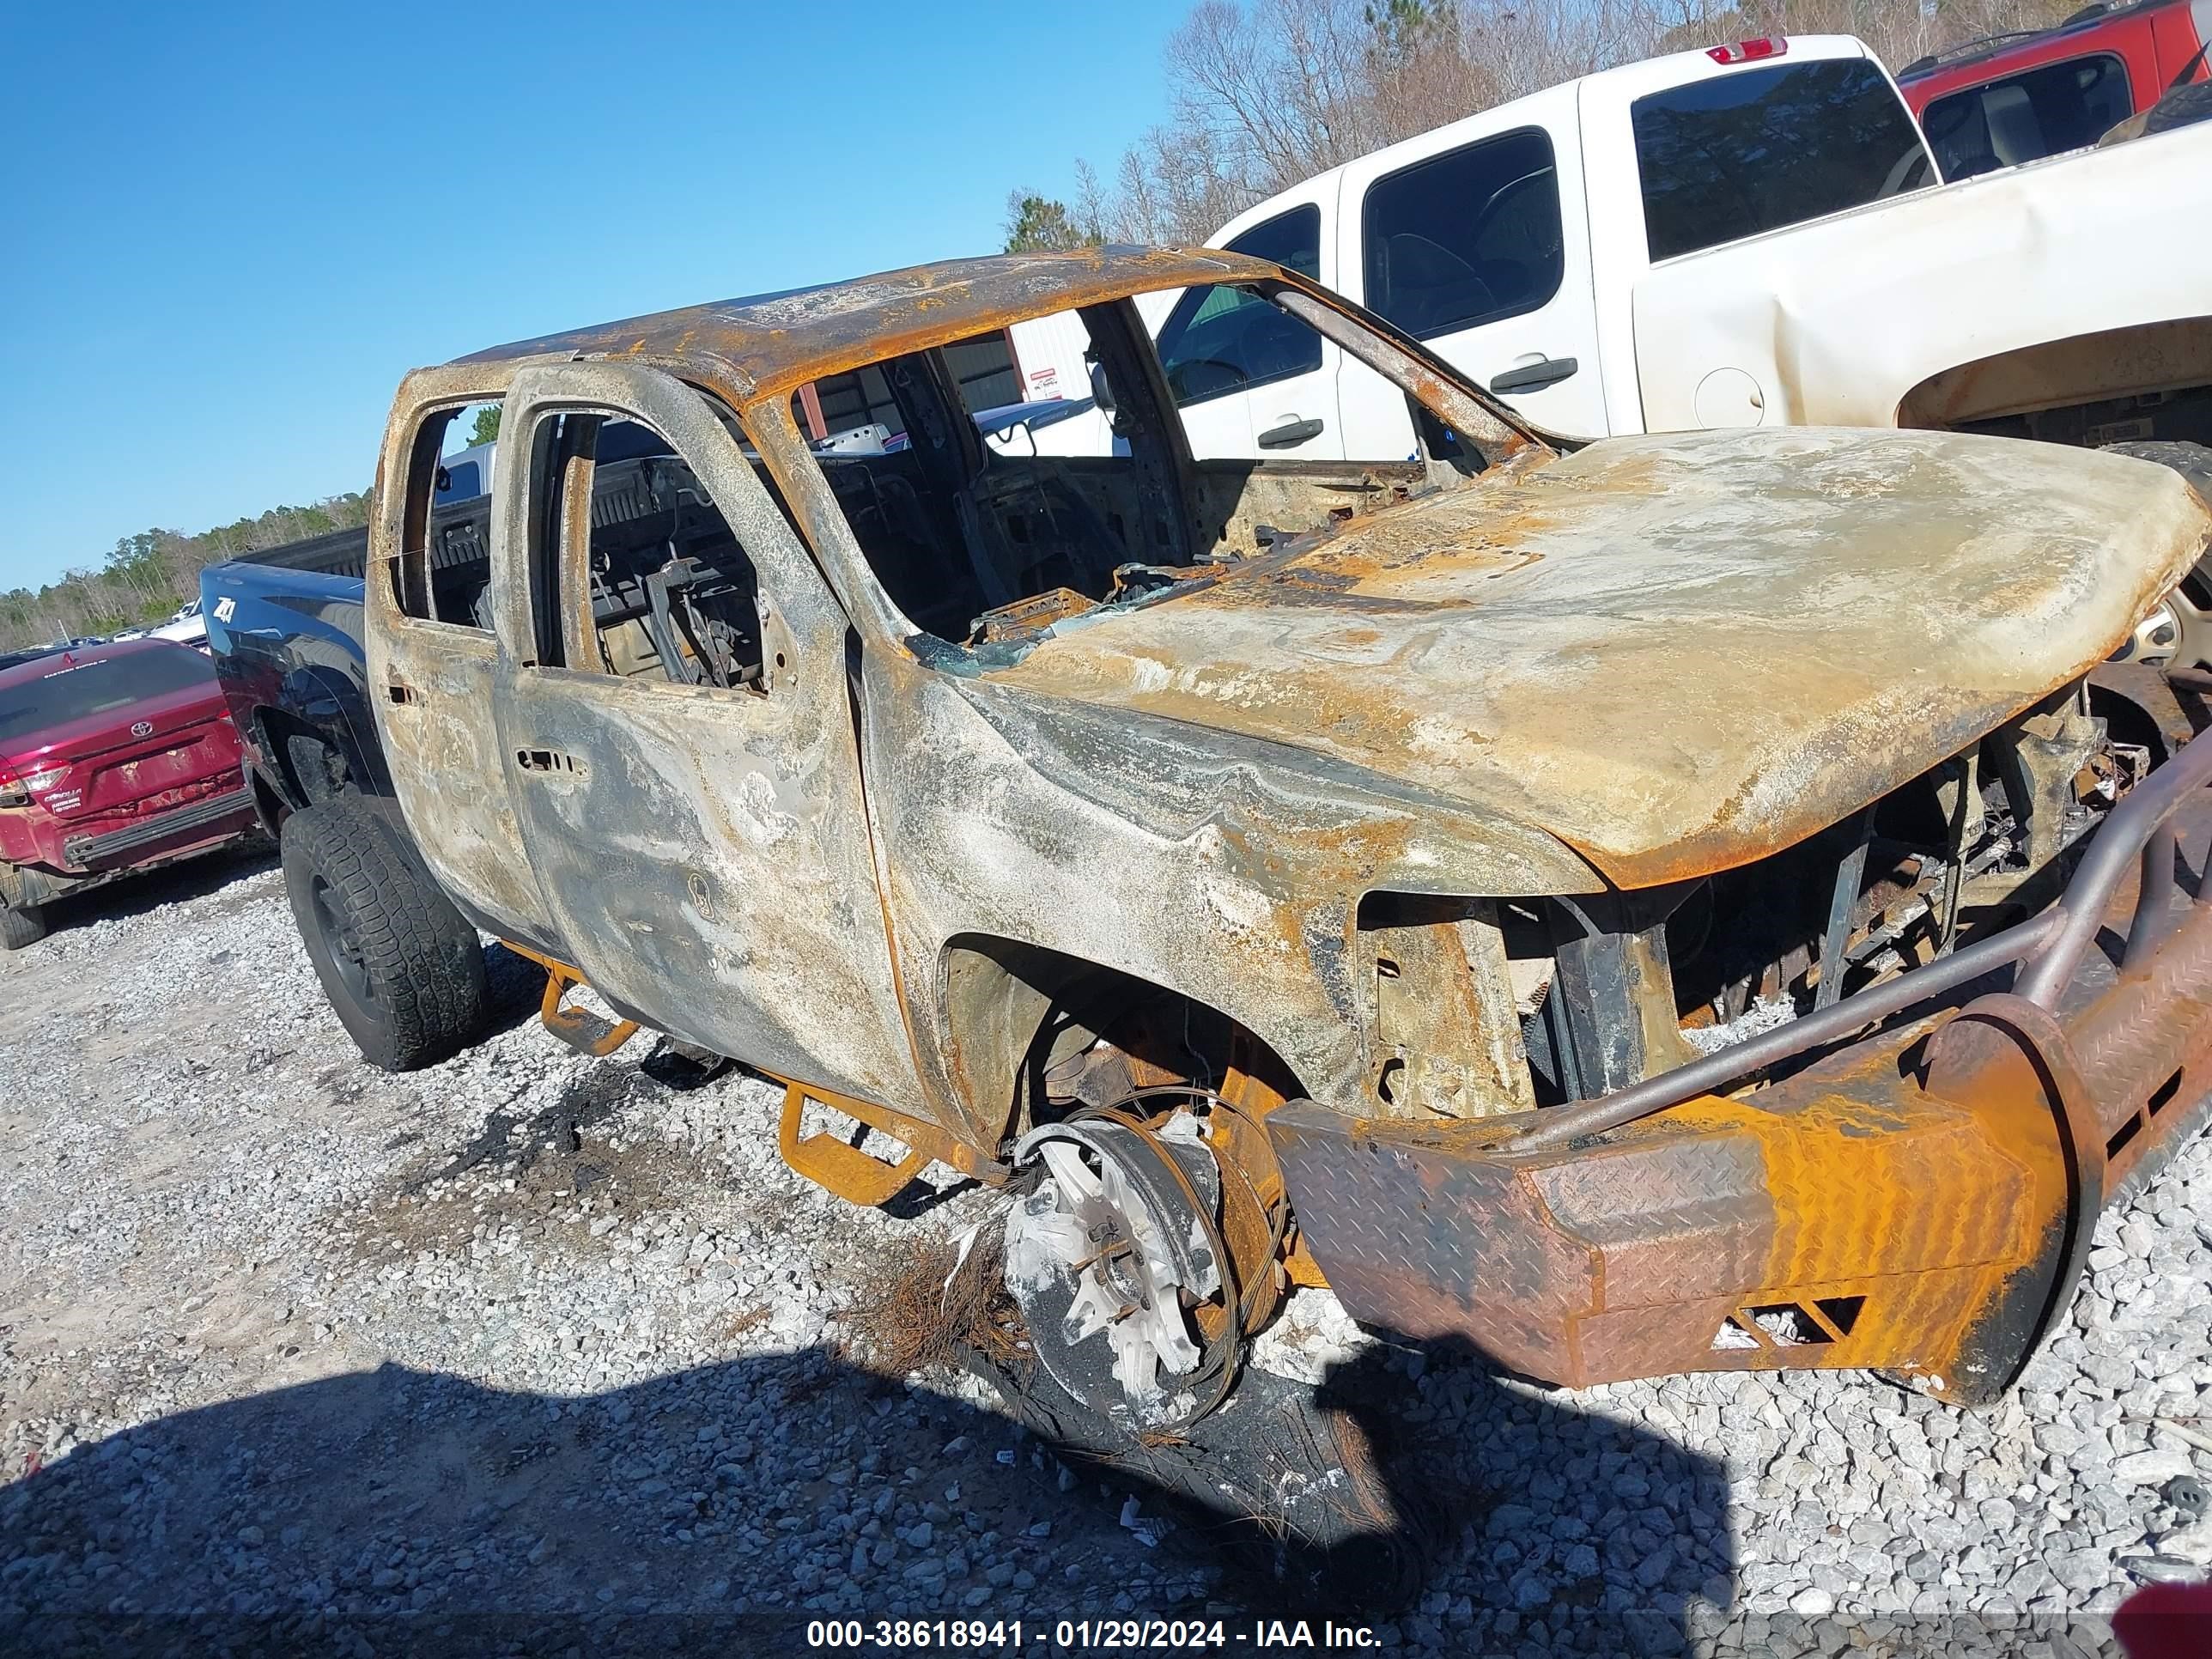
(113, 758)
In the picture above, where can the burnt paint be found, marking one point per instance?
(1656, 658)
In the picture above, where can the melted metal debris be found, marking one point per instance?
(1762, 1015)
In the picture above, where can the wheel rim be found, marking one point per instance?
(344, 943)
(2195, 648)
(2178, 633)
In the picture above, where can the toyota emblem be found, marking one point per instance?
(142, 728)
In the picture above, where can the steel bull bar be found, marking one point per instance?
(1919, 1201)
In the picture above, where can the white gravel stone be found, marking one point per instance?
(2154, 1467)
(262, 1309)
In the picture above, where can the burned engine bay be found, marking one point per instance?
(1612, 988)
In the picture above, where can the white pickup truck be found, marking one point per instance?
(1751, 236)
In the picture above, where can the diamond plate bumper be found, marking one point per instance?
(1919, 1201)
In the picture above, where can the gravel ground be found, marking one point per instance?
(531, 1351)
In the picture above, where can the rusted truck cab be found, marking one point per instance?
(1535, 892)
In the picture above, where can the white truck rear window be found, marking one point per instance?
(1733, 155)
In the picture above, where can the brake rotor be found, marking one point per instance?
(1112, 1257)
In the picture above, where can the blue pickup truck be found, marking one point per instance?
(284, 630)
(287, 647)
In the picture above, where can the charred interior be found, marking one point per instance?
(985, 528)
(672, 593)
(986, 536)
(1608, 989)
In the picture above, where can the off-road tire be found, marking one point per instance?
(20, 927)
(401, 968)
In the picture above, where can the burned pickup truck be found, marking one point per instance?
(1700, 901)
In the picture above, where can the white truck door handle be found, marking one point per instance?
(1292, 432)
(1534, 377)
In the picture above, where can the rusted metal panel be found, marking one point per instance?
(581, 1029)
(1057, 834)
(1224, 868)
(1918, 1202)
(1675, 654)
(706, 851)
(771, 344)
(1447, 1037)
(1588, 1266)
(447, 770)
(2145, 1043)
(855, 1176)
(430, 681)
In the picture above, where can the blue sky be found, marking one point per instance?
(231, 229)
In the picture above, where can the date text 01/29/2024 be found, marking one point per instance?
(987, 1634)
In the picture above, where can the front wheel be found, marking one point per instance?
(403, 968)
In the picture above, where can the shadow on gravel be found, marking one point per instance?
(1413, 1485)
(1557, 1531)
(394, 1511)
(515, 985)
(174, 884)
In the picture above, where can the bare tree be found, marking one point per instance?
(1090, 209)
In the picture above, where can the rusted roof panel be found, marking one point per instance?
(776, 342)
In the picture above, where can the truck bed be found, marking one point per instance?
(460, 532)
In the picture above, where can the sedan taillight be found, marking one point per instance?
(16, 788)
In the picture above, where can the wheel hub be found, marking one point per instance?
(1108, 1258)
(344, 943)
(2176, 634)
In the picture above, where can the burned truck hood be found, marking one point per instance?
(1676, 654)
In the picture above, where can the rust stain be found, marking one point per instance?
(770, 345)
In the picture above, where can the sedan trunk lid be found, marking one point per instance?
(99, 738)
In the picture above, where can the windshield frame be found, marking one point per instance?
(1460, 404)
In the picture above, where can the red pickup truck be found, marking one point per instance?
(2019, 97)
(114, 759)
